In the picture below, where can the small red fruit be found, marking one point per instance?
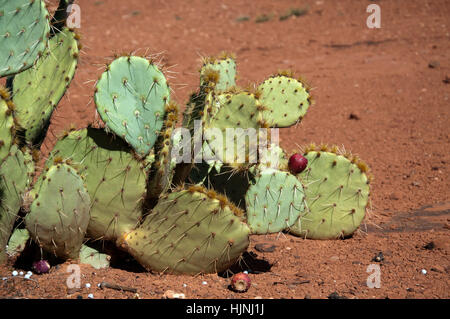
(297, 163)
(240, 282)
(41, 267)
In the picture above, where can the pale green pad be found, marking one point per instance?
(15, 178)
(24, 29)
(115, 180)
(274, 201)
(130, 97)
(286, 100)
(189, 232)
(94, 258)
(38, 90)
(337, 194)
(59, 214)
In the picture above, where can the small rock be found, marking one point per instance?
(335, 295)
(204, 283)
(378, 257)
(91, 296)
(21, 273)
(79, 297)
(394, 196)
(88, 285)
(423, 271)
(437, 268)
(27, 276)
(353, 116)
(170, 294)
(409, 289)
(15, 273)
(334, 258)
(307, 297)
(265, 248)
(430, 246)
(433, 64)
(446, 80)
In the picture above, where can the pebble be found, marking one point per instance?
(265, 248)
(88, 285)
(27, 276)
(184, 285)
(4, 278)
(170, 294)
(204, 283)
(30, 273)
(21, 273)
(246, 272)
(423, 271)
(91, 296)
(15, 273)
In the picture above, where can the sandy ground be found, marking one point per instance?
(382, 93)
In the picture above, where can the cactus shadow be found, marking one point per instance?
(249, 262)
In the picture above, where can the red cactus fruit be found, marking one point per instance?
(240, 282)
(41, 267)
(297, 163)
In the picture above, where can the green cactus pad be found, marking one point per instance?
(239, 111)
(161, 174)
(274, 201)
(286, 99)
(94, 258)
(190, 231)
(15, 178)
(271, 157)
(337, 193)
(7, 127)
(24, 30)
(18, 241)
(37, 91)
(115, 180)
(221, 71)
(59, 214)
(131, 96)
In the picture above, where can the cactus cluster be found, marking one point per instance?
(122, 183)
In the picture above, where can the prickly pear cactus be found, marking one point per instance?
(161, 174)
(15, 178)
(7, 126)
(190, 231)
(337, 194)
(38, 90)
(274, 201)
(24, 31)
(242, 112)
(217, 74)
(94, 258)
(287, 99)
(59, 214)
(17, 242)
(115, 180)
(220, 72)
(131, 96)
